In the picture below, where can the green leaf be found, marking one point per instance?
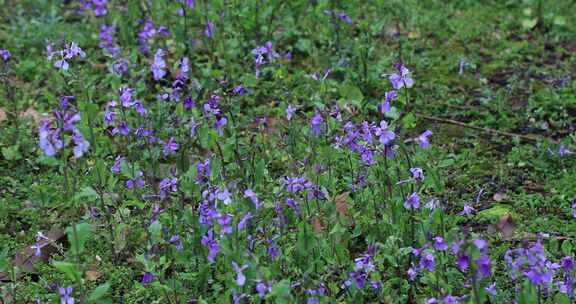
(155, 230)
(78, 239)
(494, 213)
(69, 269)
(352, 93)
(11, 153)
(281, 291)
(529, 23)
(567, 247)
(86, 194)
(100, 294)
(409, 121)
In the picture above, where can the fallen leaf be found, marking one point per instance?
(26, 258)
(3, 116)
(93, 274)
(341, 204)
(317, 224)
(32, 114)
(499, 197)
(506, 226)
(392, 29)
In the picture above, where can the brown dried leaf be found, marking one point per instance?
(317, 224)
(341, 203)
(499, 197)
(93, 274)
(26, 258)
(506, 226)
(267, 125)
(32, 114)
(3, 115)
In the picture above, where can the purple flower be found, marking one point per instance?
(122, 128)
(388, 97)
(417, 174)
(449, 299)
(109, 117)
(316, 75)
(224, 196)
(50, 141)
(432, 204)
(358, 277)
(480, 244)
(147, 278)
(212, 244)
(169, 184)
(189, 3)
(175, 239)
(290, 110)
(344, 17)
(140, 108)
(463, 261)
(225, 221)
(66, 295)
(209, 30)
(461, 65)
(219, 124)
(440, 244)
(126, 97)
(538, 277)
(263, 289)
(398, 81)
(412, 202)
(184, 69)
(563, 151)
(273, 252)
(107, 39)
(567, 263)
(412, 273)
(81, 145)
(386, 136)
(340, 15)
(364, 262)
(484, 266)
(170, 147)
(240, 277)
(280, 214)
(491, 289)
(120, 67)
(424, 140)
(137, 182)
(5, 54)
(239, 90)
(316, 124)
(293, 205)
(427, 262)
(467, 209)
(237, 298)
(158, 65)
(73, 50)
(259, 53)
(243, 223)
(252, 196)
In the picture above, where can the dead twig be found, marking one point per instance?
(485, 130)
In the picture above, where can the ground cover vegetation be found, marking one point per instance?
(270, 151)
